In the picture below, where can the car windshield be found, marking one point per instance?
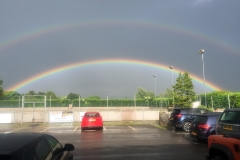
(230, 117)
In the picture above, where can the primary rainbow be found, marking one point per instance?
(104, 61)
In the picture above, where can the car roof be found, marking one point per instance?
(13, 141)
(232, 109)
(212, 114)
(91, 112)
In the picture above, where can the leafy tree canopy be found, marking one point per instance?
(31, 93)
(184, 93)
(93, 98)
(144, 94)
(52, 94)
(168, 93)
(72, 96)
(11, 95)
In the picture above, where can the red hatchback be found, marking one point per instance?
(92, 120)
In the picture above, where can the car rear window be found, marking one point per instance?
(176, 111)
(230, 117)
(185, 111)
(200, 119)
(92, 115)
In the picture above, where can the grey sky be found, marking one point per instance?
(37, 36)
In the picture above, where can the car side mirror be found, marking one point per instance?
(68, 147)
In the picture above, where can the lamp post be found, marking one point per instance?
(155, 83)
(201, 51)
(171, 67)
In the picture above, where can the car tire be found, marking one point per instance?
(220, 156)
(186, 126)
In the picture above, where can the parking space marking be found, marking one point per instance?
(104, 128)
(75, 129)
(46, 129)
(182, 133)
(15, 130)
(131, 127)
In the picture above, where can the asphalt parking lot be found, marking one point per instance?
(120, 142)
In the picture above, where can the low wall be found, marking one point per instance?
(41, 115)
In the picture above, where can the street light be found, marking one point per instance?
(171, 67)
(155, 83)
(201, 51)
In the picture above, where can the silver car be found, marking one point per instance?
(229, 122)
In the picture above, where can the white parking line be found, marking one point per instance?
(14, 130)
(75, 129)
(46, 129)
(104, 128)
(182, 133)
(131, 127)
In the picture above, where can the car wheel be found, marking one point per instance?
(186, 126)
(220, 156)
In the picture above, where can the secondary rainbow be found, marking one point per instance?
(105, 61)
(41, 31)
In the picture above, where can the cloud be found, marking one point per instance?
(201, 2)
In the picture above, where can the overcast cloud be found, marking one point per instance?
(38, 36)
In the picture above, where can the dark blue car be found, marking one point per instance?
(181, 118)
(204, 125)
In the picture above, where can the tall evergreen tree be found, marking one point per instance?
(184, 93)
(1, 89)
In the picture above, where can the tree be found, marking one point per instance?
(11, 95)
(41, 93)
(72, 96)
(184, 93)
(1, 89)
(144, 94)
(168, 93)
(52, 94)
(31, 93)
(93, 98)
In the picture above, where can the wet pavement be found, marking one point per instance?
(121, 142)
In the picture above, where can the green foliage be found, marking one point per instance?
(209, 109)
(184, 93)
(73, 96)
(93, 98)
(11, 95)
(216, 99)
(168, 93)
(64, 101)
(219, 99)
(144, 94)
(52, 94)
(1, 88)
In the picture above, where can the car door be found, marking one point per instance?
(58, 151)
(38, 151)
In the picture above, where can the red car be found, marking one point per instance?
(92, 120)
